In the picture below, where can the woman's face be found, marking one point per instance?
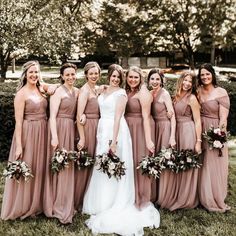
(133, 79)
(69, 76)
(155, 81)
(32, 74)
(93, 75)
(206, 77)
(115, 79)
(187, 83)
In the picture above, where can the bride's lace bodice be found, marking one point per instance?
(107, 103)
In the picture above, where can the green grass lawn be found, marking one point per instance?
(182, 222)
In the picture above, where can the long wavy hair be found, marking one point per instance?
(179, 85)
(119, 69)
(137, 70)
(23, 78)
(208, 67)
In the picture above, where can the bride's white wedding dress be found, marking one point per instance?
(110, 202)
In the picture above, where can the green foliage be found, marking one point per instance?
(7, 121)
(142, 27)
(47, 27)
(181, 222)
(7, 124)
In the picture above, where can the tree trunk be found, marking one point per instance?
(3, 68)
(213, 53)
(13, 63)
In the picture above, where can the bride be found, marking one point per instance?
(111, 202)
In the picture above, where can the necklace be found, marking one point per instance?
(93, 90)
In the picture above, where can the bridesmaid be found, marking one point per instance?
(138, 118)
(59, 188)
(88, 106)
(29, 145)
(188, 136)
(164, 133)
(214, 112)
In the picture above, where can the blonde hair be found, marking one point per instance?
(137, 70)
(180, 83)
(23, 79)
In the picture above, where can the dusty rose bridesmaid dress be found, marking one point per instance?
(185, 193)
(214, 173)
(59, 188)
(133, 116)
(162, 189)
(25, 198)
(90, 128)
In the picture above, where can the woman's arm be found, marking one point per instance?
(82, 101)
(19, 106)
(120, 109)
(49, 88)
(223, 110)
(197, 121)
(170, 110)
(55, 101)
(145, 99)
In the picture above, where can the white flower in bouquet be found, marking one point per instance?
(27, 174)
(167, 155)
(217, 131)
(112, 166)
(24, 167)
(170, 163)
(153, 171)
(217, 144)
(5, 172)
(189, 160)
(59, 158)
(111, 171)
(144, 164)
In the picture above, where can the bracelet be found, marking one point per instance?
(199, 140)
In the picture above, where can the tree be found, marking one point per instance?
(114, 29)
(132, 26)
(184, 24)
(46, 27)
(214, 30)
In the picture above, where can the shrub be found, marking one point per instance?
(7, 122)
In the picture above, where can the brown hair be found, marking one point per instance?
(62, 69)
(209, 68)
(119, 69)
(156, 71)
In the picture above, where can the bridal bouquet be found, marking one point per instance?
(83, 159)
(111, 165)
(16, 170)
(216, 138)
(151, 166)
(61, 159)
(186, 159)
